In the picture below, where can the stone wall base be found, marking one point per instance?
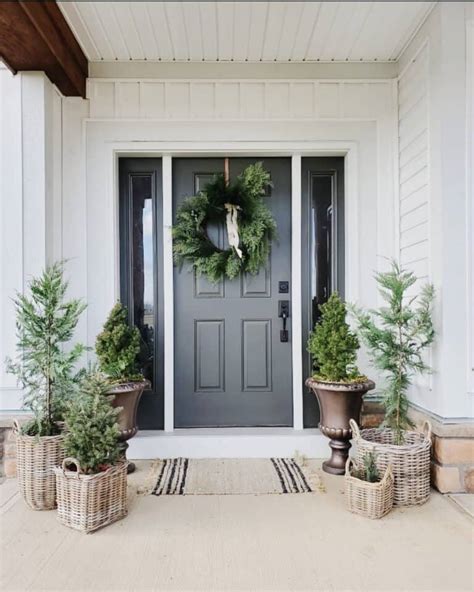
(452, 457)
(7, 453)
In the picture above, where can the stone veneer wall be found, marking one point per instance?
(7, 453)
(452, 455)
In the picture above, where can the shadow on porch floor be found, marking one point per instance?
(211, 543)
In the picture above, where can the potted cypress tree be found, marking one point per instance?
(92, 480)
(397, 336)
(45, 370)
(118, 348)
(337, 382)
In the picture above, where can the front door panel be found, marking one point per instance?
(231, 368)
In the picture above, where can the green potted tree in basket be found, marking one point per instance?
(337, 382)
(92, 480)
(397, 336)
(118, 349)
(45, 370)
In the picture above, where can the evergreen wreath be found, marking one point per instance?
(217, 203)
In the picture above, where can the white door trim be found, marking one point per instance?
(296, 293)
(294, 150)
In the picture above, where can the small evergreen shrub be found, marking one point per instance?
(396, 336)
(369, 471)
(92, 432)
(45, 323)
(118, 347)
(333, 346)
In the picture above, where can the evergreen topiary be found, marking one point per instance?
(257, 227)
(92, 432)
(396, 336)
(332, 344)
(118, 347)
(369, 471)
(45, 322)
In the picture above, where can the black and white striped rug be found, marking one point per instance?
(232, 476)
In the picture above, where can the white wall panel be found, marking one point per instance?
(30, 198)
(11, 225)
(245, 100)
(414, 238)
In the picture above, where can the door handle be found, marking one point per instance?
(284, 313)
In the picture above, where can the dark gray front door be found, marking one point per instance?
(231, 369)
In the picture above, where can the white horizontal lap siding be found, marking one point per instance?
(414, 178)
(235, 99)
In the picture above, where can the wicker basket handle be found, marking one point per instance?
(349, 462)
(16, 426)
(427, 429)
(388, 473)
(355, 429)
(72, 461)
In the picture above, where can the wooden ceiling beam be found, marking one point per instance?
(35, 36)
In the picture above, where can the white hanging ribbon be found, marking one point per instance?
(233, 227)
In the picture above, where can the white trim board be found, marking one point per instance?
(350, 151)
(368, 154)
(229, 443)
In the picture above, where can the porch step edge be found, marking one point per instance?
(228, 443)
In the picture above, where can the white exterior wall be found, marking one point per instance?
(435, 223)
(30, 197)
(163, 117)
(411, 191)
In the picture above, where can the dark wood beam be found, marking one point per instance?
(36, 36)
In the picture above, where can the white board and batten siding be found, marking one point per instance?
(238, 100)
(30, 198)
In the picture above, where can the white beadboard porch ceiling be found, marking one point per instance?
(244, 31)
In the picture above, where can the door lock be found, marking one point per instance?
(284, 313)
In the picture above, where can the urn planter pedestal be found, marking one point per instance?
(127, 396)
(338, 403)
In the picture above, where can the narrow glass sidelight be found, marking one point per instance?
(143, 272)
(322, 250)
(322, 243)
(141, 285)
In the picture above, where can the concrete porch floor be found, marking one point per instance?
(213, 543)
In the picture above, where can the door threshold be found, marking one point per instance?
(228, 443)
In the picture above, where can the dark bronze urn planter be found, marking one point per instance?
(127, 396)
(338, 403)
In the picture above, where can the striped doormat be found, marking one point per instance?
(232, 476)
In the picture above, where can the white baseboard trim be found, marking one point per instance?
(228, 443)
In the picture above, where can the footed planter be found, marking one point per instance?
(89, 502)
(127, 395)
(338, 403)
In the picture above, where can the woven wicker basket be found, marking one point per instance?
(89, 502)
(372, 500)
(410, 461)
(36, 457)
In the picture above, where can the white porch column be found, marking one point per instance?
(30, 197)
